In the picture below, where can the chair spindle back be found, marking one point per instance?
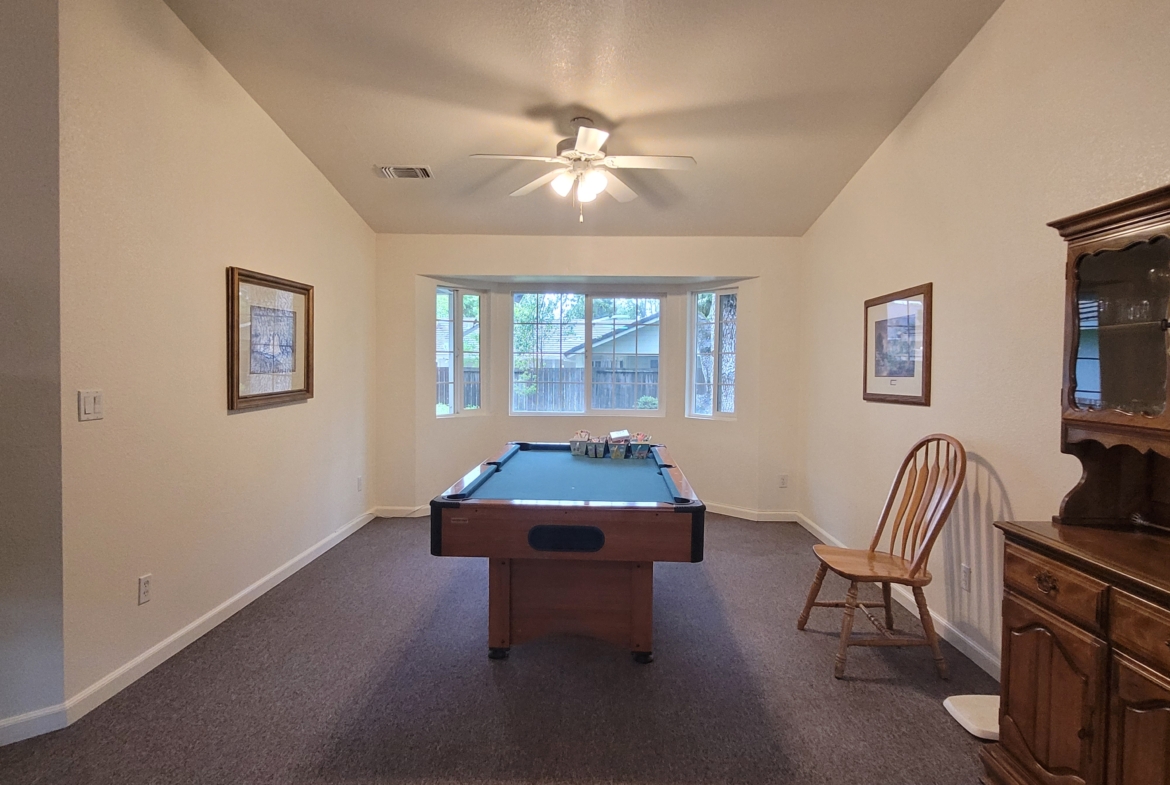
(921, 498)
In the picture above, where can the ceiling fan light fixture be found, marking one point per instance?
(584, 194)
(594, 180)
(563, 183)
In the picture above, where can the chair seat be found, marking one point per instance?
(869, 566)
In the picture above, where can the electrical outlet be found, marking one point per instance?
(965, 578)
(783, 480)
(359, 483)
(144, 589)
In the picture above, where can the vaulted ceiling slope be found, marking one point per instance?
(779, 101)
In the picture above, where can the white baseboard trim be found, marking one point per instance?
(976, 653)
(753, 515)
(33, 723)
(24, 726)
(402, 512)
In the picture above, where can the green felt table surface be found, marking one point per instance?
(556, 475)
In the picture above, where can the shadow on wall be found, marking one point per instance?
(970, 538)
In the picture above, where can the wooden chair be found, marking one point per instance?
(927, 484)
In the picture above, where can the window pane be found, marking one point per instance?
(471, 381)
(548, 352)
(705, 337)
(727, 307)
(704, 368)
(647, 396)
(444, 313)
(625, 352)
(727, 337)
(702, 399)
(727, 369)
(443, 336)
(471, 324)
(714, 339)
(705, 307)
(444, 384)
(524, 307)
(444, 351)
(727, 398)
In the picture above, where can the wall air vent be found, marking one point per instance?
(407, 172)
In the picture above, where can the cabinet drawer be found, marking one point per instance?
(1140, 626)
(1054, 585)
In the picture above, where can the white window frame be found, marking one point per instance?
(457, 408)
(589, 294)
(692, 352)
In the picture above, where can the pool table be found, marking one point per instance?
(571, 541)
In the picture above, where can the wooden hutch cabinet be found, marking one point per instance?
(1085, 686)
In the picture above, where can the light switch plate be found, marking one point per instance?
(89, 405)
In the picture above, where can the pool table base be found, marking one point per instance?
(609, 600)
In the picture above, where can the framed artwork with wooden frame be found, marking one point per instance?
(897, 347)
(269, 340)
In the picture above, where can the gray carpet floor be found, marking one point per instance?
(370, 666)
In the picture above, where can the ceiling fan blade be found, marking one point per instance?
(590, 140)
(649, 161)
(543, 158)
(539, 181)
(619, 190)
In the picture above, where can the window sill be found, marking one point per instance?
(596, 413)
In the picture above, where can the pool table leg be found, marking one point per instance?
(642, 611)
(499, 607)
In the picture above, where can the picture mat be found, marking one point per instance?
(270, 300)
(895, 314)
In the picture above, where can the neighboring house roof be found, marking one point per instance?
(611, 335)
(442, 328)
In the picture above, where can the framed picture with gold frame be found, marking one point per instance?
(269, 340)
(897, 347)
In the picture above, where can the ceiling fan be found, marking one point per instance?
(582, 162)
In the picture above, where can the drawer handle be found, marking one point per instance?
(1045, 582)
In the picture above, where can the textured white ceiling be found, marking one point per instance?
(779, 101)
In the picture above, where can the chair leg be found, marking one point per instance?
(931, 635)
(889, 605)
(813, 591)
(846, 630)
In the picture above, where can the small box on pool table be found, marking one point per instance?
(596, 447)
(579, 444)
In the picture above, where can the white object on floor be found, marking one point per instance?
(978, 714)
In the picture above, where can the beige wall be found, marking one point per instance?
(30, 449)
(173, 173)
(1056, 106)
(734, 463)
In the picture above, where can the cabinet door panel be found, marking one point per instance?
(1051, 719)
(1139, 723)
